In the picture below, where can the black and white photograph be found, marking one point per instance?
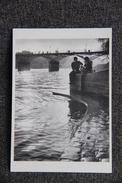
(61, 100)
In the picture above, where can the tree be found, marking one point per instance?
(105, 44)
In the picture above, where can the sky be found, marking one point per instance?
(51, 45)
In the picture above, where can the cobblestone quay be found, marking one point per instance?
(91, 140)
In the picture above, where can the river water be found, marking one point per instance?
(52, 127)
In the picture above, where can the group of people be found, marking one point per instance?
(78, 67)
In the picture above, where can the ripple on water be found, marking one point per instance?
(49, 127)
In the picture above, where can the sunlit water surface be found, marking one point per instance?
(46, 123)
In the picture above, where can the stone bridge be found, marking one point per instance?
(23, 60)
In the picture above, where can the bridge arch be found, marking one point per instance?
(39, 63)
(67, 60)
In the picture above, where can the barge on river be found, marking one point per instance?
(95, 83)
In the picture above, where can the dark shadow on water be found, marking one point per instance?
(76, 109)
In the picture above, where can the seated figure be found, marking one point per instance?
(87, 65)
(77, 66)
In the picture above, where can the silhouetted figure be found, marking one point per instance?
(77, 66)
(87, 65)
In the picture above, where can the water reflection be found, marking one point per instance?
(76, 109)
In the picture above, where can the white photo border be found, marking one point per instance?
(76, 167)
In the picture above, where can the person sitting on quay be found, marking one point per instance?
(87, 65)
(77, 66)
